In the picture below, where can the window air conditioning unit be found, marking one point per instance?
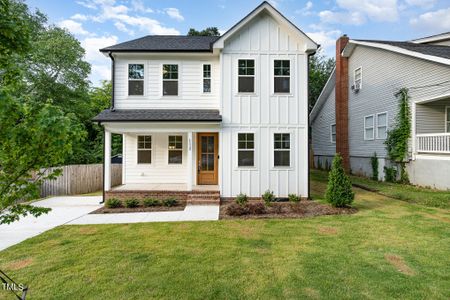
(356, 87)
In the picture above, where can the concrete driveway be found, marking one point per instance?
(64, 210)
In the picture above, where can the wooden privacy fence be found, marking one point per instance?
(80, 179)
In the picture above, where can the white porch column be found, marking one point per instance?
(107, 161)
(189, 161)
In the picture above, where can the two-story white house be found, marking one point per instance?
(219, 115)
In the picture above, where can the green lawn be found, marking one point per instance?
(389, 249)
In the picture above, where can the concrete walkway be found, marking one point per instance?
(64, 210)
(190, 213)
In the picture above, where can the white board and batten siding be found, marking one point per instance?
(264, 112)
(190, 80)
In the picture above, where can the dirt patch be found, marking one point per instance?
(105, 210)
(88, 230)
(311, 293)
(399, 263)
(287, 210)
(439, 218)
(19, 264)
(327, 230)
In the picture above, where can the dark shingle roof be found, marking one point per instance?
(159, 115)
(434, 50)
(165, 43)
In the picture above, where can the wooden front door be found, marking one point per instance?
(207, 158)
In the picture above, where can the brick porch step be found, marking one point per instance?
(203, 197)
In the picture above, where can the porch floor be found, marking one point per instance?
(163, 187)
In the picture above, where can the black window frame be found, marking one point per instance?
(134, 80)
(170, 76)
(279, 146)
(281, 72)
(177, 141)
(144, 144)
(246, 71)
(206, 78)
(246, 145)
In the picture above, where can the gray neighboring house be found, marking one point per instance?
(358, 106)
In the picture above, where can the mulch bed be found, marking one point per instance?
(105, 210)
(287, 210)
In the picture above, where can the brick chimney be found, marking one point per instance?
(341, 91)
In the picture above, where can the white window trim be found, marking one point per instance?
(255, 85)
(182, 149)
(254, 167)
(378, 126)
(272, 148)
(273, 77)
(354, 76)
(373, 127)
(203, 78)
(331, 133)
(137, 150)
(447, 109)
(162, 79)
(137, 62)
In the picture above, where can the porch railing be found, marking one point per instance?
(433, 143)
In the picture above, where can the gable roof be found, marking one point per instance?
(436, 53)
(326, 91)
(433, 38)
(311, 46)
(159, 115)
(165, 43)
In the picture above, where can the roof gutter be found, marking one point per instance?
(113, 65)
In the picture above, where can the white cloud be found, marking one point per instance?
(421, 3)
(326, 39)
(376, 10)
(87, 4)
(79, 17)
(122, 27)
(139, 6)
(353, 18)
(174, 13)
(306, 10)
(74, 27)
(100, 64)
(434, 21)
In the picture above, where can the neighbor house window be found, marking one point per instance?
(382, 123)
(246, 78)
(175, 149)
(144, 149)
(282, 150)
(357, 79)
(282, 75)
(369, 127)
(135, 79)
(246, 149)
(333, 133)
(206, 78)
(447, 118)
(170, 80)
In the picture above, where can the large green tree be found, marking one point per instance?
(209, 31)
(320, 68)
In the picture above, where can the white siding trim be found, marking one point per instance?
(373, 127)
(354, 77)
(331, 133)
(377, 125)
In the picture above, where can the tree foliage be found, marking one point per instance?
(320, 68)
(339, 189)
(209, 31)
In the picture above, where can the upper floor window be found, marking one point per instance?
(382, 124)
(369, 127)
(175, 149)
(246, 78)
(206, 78)
(447, 118)
(333, 133)
(246, 149)
(282, 150)
(144, 149)
(135, 79)
(357, 78)
(282, 75)
(170, 80)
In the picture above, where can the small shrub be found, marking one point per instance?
(241, 199)
(235, 209)
(256, 208)
(390, 174)
(113, 203)
(149, 202)
(374, 163)
(268, 197)
(339, 189)
(169, 202)
(131, 203)
(294, 198)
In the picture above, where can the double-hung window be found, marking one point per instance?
(206, 78)
(382, 124)
(357, 78)
(282, 150)
(170, 80)
(135, 79)
(282, 76)
(175, 149)
(333, 133)
(369, 127)
(447, 119)
(144, 149)
(246, 77)
(246, 149)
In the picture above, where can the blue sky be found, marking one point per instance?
(101, 23)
